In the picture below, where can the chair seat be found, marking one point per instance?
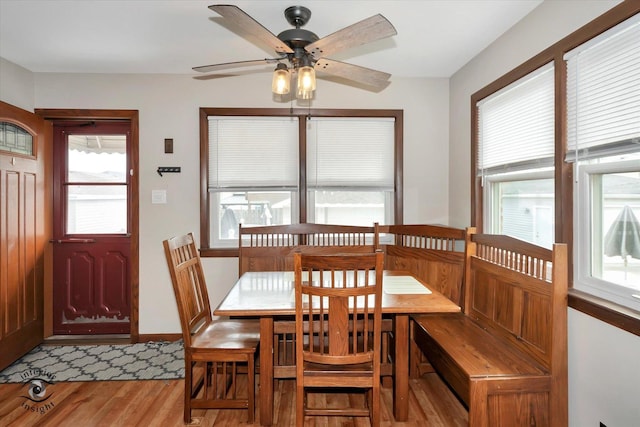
(227, 336)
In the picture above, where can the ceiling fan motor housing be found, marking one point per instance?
(297, 37)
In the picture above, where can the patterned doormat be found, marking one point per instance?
(142, 361)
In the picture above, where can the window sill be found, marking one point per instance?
(606, 311)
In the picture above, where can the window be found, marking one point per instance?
(14, 139)
(281, 166)
(253, 173)
(603, 134)
(608, 231)
(521, 205)
(350, 170)
(515, 158)
(594, 179)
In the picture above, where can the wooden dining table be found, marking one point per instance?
(270, 296)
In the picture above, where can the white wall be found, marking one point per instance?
(168, 108)
(604, 374)
(604, 362)
(16, 85)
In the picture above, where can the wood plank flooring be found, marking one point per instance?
(159, 403)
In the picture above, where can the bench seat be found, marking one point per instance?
(463, 352)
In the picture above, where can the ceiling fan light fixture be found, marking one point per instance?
(300, 50)
(306, 82)
(281, 83)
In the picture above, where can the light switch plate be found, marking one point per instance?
(158, 197)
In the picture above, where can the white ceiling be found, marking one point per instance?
(435, 37)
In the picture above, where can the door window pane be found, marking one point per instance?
(96, 209)
(97, 158)
(96, 184)
(14, 139)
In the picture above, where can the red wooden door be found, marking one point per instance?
(25, 227)
(92, 223)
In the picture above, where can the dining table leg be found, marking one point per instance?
(266, 371)
(401, 367)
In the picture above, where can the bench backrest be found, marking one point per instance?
(518, 291)
(271, 247)
(433, 253)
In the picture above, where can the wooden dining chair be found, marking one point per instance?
(220, 347)
(271, 248)
(338, 301)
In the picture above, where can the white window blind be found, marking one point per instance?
(350, 152)
(250, 152)
(603, 93)
(516, 125)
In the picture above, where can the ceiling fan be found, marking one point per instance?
(303, 52)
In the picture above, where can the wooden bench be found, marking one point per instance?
(505, 355)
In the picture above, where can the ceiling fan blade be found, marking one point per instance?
(366, 31)
(237, 64)
(250, 26)
(367, 76)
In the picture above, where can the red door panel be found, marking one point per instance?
(114, 299)
(95, 296)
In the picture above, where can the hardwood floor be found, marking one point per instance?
(159, 403)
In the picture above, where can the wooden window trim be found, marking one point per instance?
(614, 314)
(302, 114)
(604, 310)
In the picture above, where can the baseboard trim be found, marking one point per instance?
(108, 339)
(87, 339)
(159, 337)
